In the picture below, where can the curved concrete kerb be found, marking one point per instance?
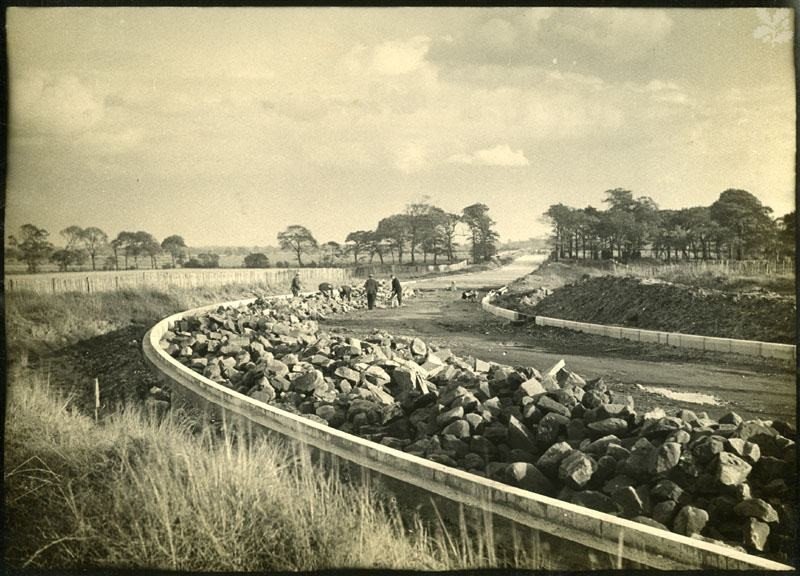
(677, 339)
(642, 544)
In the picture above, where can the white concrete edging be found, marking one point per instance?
(714, 343)
(641, 543)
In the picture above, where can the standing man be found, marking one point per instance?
(371, 287)
(297, 286)
(397, 290)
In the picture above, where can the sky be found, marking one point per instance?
(226, 125)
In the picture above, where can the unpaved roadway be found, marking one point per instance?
(754, 388)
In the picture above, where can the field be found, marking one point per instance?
(145, 489)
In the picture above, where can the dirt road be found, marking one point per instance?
(653, 375)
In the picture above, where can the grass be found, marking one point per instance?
(138, 492)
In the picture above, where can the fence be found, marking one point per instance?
(716, 267)
(384, 269)
(89, 282)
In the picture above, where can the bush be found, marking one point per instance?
(256, 260)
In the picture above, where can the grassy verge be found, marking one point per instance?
(138, 492)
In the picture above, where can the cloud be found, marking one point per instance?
(500, 155)
(49, 104)
(411, 157)
(394, 57)
(592, 39)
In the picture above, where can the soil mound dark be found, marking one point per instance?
(656, 305)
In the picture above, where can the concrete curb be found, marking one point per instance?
(716, 344)
(641, 544)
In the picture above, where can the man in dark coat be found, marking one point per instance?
(327, 289)
(397, 290)
(345, 291)
(371, 287)
(297, 286)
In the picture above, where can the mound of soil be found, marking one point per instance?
(655, 305)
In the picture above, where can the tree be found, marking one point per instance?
(297, 239)
(204, 260)
(448, 233)
(66, 257)
(148, 245)
(256, 260)
(395, 229)
(746, 222)
(787, 230)
(331, 251)
(33, 246)
(176, 247)
(416, 220)
(93, 239)
(73, 236)
(358, 241)
(126, 243)
(484, 237)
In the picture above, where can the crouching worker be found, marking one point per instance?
(327, 289)
(469, 295)
(344, 292)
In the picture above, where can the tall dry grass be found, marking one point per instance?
(138, 491)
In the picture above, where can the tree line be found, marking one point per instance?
(736, 226)
(421, 229)
(33, 246)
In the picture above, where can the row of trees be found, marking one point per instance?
(421, 229)
(735, 226)
(32, 245)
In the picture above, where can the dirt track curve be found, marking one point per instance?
(717, 383)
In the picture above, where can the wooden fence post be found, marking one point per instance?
(96, 398)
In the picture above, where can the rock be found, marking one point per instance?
(707, 448)
(577, 469)
(664, 512)
(376, 375)
(649, 522)
(600, 446)
(755, 534)
(547, 404)
(731, 470)
(531, 387)
(519, 436)
(418, 347)
(756, 508)
(630, 500)
(550, 427)
(527, 476)
(352, 376)
(616, 426)
(596, 501)
(690, 520)
(459, 429)
(449, 416)
(666, 489)
(308, 381)
(404, 378)
(664, 458)
(379, 395)
(476, 422)
(549, 462)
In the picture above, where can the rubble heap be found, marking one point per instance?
(553, 433)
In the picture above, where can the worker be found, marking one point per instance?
(371, 287)
(327, 289)
(397, 291)
(297, 286)
(345, 291)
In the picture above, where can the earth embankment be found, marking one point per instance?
(658, 305)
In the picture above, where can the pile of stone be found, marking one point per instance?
(554, 433)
